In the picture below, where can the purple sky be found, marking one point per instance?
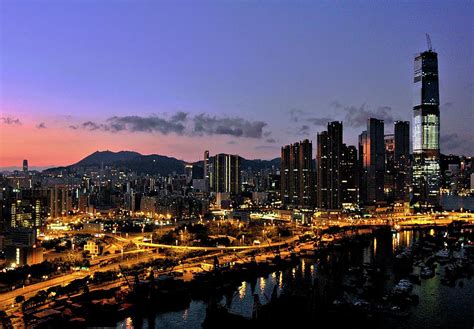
(231, 76)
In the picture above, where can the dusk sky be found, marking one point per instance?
(242, 77)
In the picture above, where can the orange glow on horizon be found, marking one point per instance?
(61, 146)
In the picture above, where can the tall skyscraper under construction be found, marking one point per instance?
(426, 153)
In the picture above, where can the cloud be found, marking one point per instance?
(91, 126)
(180, 123)
(457, 144)
(336, 105)
(238, 127)
(357, 116)
(447, 105)
(297, 115)
(352, 116)
(271, 140)
(232, 143)
(180, 116)
(320, 121)
(451, 141)
(304, 130)
(150, 124)
(10, 121)
(41, 125)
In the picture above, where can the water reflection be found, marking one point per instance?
(375, 247)
(402, 239)
(262, 285)
(242, 290)
(434, 298)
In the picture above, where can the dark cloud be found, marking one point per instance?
(179, 116)
(447, 105)
(304, 129)
(238, 127)
(10, 121)
(136, 123)
(320, 121)
(457, 143)
(297, 115)
(357, 116)
(180, 123)
(73, 127)
(41, 125)
(451, 142)
(337, 105)
(271, 140)
(232, 142)
(91, 126)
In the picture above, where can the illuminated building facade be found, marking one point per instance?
(226, 174)
(426, 153)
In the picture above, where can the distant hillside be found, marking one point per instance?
(258, 164)
(106, 158)
(148, 164)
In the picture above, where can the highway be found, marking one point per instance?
(7, 299)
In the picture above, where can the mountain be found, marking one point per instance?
(258, 164)
(148, 164)
(107, 157)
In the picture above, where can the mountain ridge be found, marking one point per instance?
(148, 164)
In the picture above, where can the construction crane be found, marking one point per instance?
(428, 40)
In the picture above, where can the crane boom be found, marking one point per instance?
(428, 40)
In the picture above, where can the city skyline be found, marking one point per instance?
(155, 99)
(236, 164)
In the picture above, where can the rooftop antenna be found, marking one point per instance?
(428, 40)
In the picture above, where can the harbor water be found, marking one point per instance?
(440, 306)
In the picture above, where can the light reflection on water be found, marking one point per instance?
(434, 297)
(402, 239)
(242, 290)
(375, 247)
